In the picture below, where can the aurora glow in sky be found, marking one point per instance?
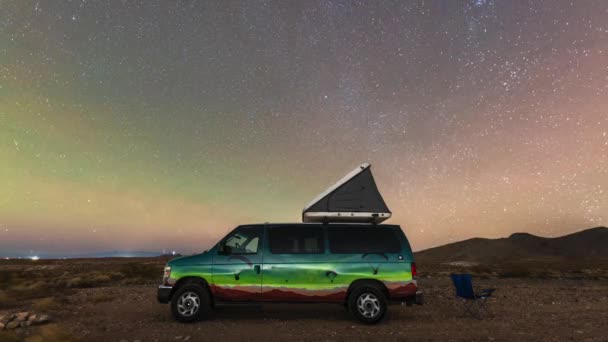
(142, 125)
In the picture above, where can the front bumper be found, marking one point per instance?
(163, 294)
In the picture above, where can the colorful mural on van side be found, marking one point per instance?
(306, 277)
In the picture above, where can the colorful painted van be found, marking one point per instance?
(363, 266)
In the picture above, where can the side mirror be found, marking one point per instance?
(224, 250)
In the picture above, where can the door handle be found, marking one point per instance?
(257, 269)
(331, 274)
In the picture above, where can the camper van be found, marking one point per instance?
(340, 254)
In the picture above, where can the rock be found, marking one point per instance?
(32, 318)
(186, 338)
(25, 324)
(21, 316)
(1, 326)
(7, 319)
(12, 325)
(41, 320)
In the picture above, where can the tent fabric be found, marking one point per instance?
(355, 198)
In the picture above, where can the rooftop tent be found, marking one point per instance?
(355, 198)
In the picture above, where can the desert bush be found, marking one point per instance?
(9, 336)
(28, 280)
(5, 278)
(92, 279)
(515, 271)
(76, 282)
(102, 298)
(51, 333)
(134, 281)
(10, 278)
(6, 301)
(28, 289)
(143, 271)
(100, 278)
(47, 304)
(481, 269)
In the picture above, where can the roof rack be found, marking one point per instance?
(354, 198)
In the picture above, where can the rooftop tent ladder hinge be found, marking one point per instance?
(354, 198)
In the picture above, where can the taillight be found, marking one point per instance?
(414, 273)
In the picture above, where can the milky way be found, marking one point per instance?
(145, 125)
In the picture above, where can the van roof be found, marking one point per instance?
(321, 224)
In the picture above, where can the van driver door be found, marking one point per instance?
(237, 262)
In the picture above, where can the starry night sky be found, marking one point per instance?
(142, 125)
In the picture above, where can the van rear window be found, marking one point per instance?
(354, 240)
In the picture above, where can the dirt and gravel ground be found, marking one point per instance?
(556, 310)
(122, 308)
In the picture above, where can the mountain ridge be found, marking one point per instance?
(590, 243)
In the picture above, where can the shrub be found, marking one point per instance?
(9, 336)
(481, 269)
(6, 301)
(515, 271)
(51, 333)
(143, 271)
(47, 304)
(102, 298)
(74, 282)
(92, 279)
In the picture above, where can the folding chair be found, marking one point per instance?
(473, 303)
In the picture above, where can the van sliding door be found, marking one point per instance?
(295, 265)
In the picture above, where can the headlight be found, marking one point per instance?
(166, 274)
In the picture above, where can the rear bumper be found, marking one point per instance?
(163, 294)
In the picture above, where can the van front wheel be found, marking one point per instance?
(190, 303)
(367, 303)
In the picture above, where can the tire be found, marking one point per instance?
(367, 303)
(190, 303)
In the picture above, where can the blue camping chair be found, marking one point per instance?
(473, 303)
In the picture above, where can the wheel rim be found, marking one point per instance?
(188, 304)
(368, 305)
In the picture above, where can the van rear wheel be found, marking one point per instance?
(367, 303)
(190, 303)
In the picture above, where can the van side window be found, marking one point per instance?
(354, 240)
(244, 240)
(295, 240)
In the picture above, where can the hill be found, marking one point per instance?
(589, 244)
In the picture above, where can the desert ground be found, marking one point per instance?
(114, 300)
